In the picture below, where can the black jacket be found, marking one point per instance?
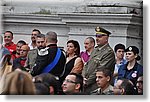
(19, 63)
(43, 60)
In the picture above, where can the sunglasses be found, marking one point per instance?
(100, 35)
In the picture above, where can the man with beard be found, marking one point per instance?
(51, 59)
(32, 44)
(32, 55)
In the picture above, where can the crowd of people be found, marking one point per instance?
(43, 68)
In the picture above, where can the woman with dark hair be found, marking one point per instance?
(48, 80)
(132, 70)
(74, 62)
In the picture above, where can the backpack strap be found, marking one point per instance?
(49, 67)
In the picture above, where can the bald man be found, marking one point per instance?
(20, 62)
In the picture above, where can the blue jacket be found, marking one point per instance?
(132, 74)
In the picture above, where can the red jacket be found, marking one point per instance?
(11, 48)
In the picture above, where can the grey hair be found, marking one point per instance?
(92, 40)
(51, 37)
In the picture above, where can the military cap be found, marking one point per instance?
(134, 49)
(102, 31)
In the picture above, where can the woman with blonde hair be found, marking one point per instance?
(18, 83)
(5, 68)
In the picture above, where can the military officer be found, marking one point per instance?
(102, 55)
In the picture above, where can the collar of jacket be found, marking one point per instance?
(134, 67)
(101, 47)
(43, 52)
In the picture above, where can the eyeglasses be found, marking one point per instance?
(100, 35)
(116, 87)
(69, 81)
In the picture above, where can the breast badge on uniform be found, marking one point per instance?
(97, 60)
(134, 74)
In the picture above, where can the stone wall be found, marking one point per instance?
(77, 20)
